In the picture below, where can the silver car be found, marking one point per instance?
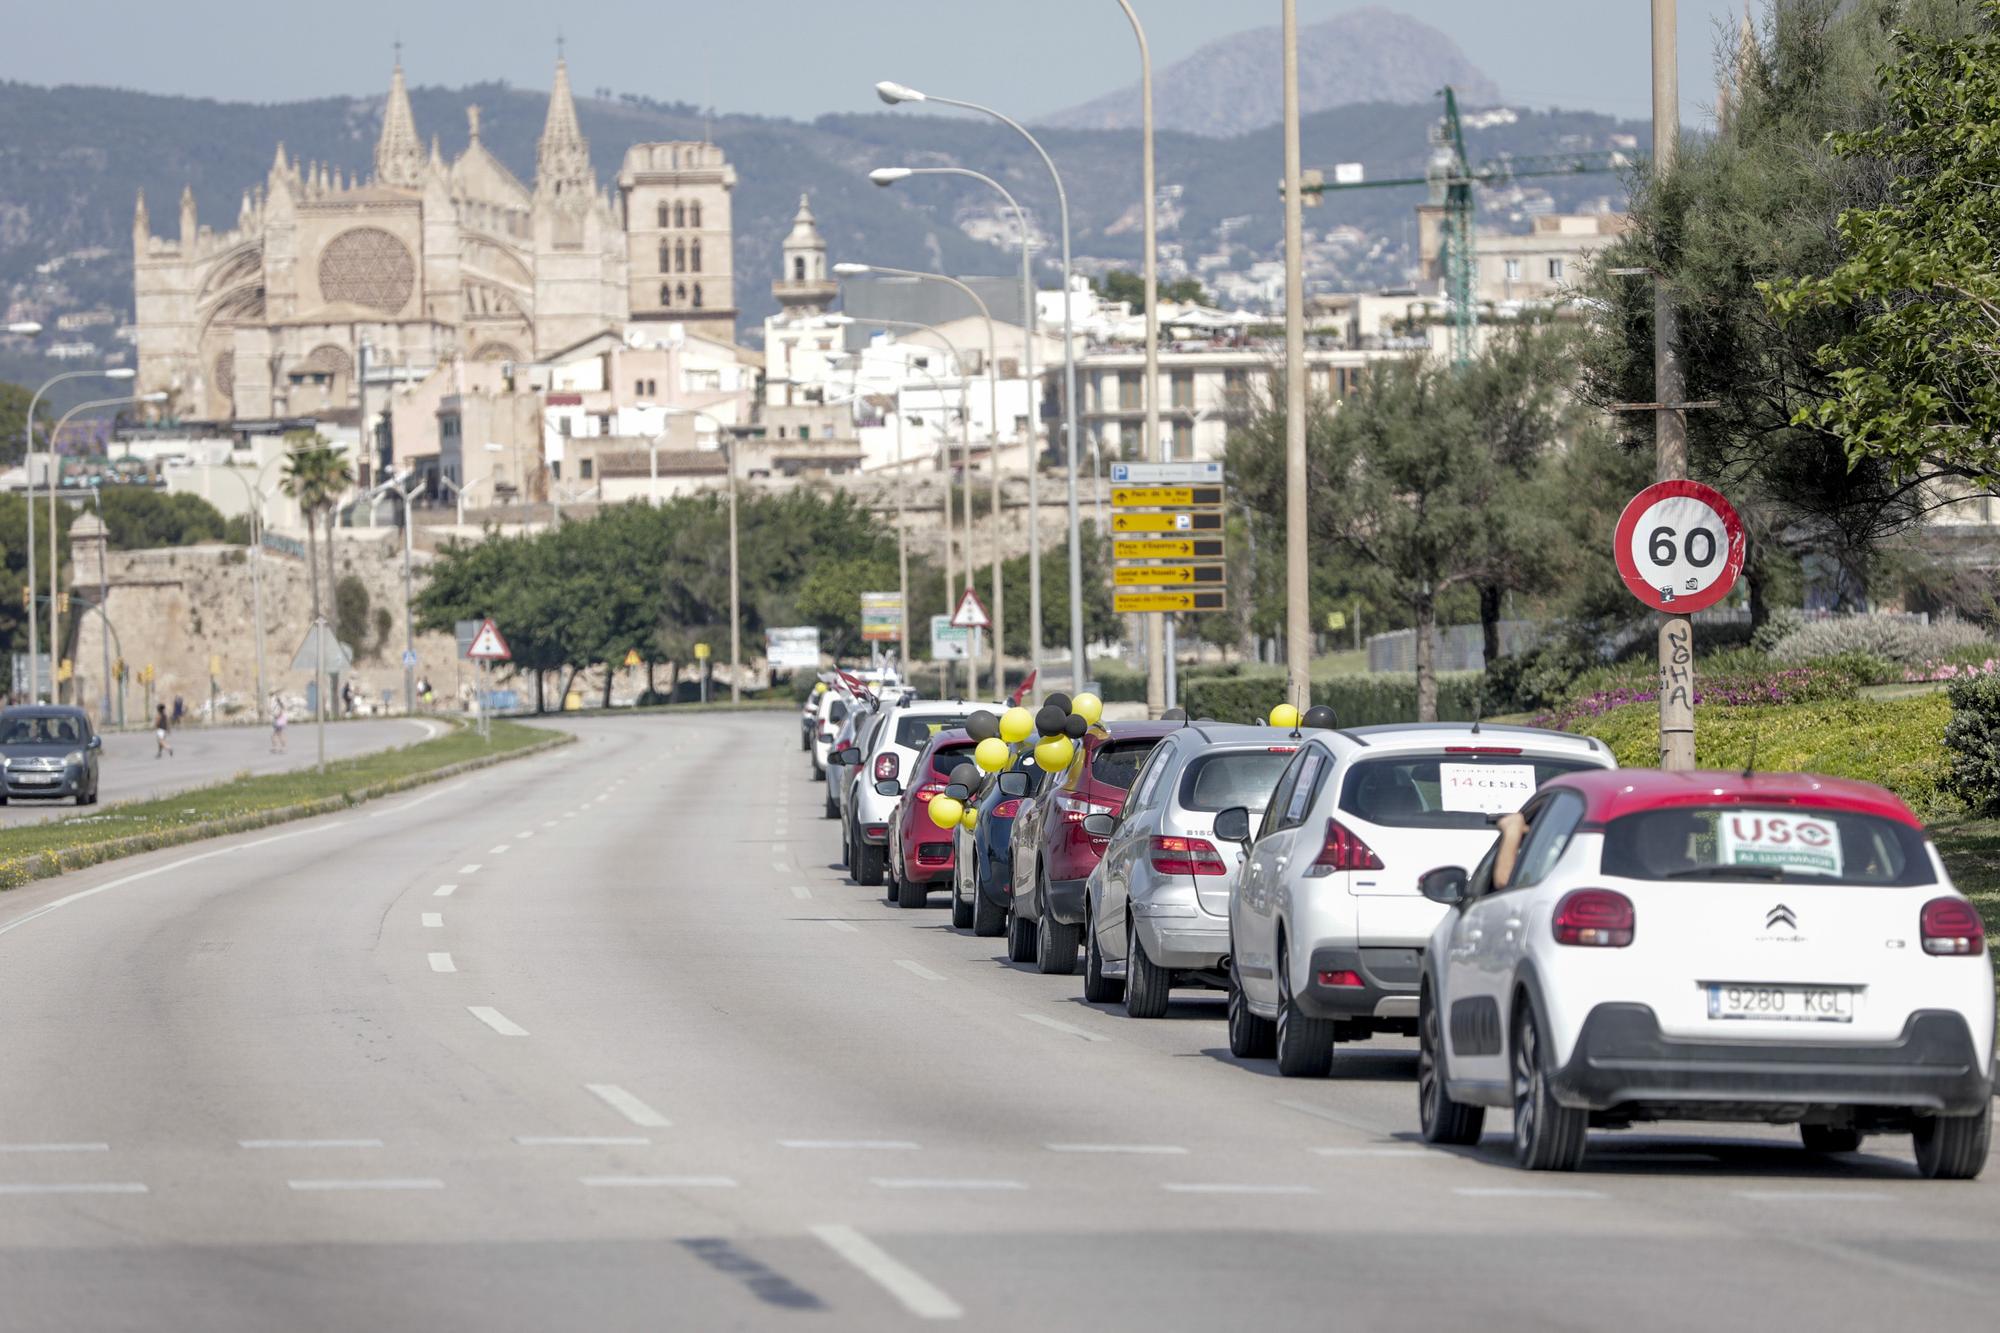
(1158, 902)
(861, 714)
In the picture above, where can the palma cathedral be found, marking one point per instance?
(424, 261)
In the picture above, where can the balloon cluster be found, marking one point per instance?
(1319, 717)
(1060, 723)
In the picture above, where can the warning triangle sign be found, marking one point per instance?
(487, 645)
(970, 614)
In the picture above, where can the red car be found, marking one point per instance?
(1053, 856)
(920, 853)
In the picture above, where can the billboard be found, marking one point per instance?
(793, 648)
(881, 617)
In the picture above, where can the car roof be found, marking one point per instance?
(1610, 793)
(1416, 735)
(43, 710)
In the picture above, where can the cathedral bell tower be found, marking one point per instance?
(803, 287)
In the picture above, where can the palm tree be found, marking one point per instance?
(316, 475)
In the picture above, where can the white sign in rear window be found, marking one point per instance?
(1793, 842)
(1488, 789)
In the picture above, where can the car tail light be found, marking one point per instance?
(1187, 856)
(934, 851)
(927, 791)
(887, 765)
(1006, 810)
(875, 830)
(1281, 749)
(1343, 979)
(1951, 926)
(1342, 851)
(1595, 917)
(1075, 809)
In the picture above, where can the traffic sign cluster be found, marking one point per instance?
(1167, 547)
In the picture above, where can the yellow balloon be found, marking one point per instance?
(1016, 725)
(819, 687)
(970, 819)
(1088, 707)
(992, 755)
(1053, 755)
(945, 811)
(1285, 716)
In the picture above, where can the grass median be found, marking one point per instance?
(36, 851)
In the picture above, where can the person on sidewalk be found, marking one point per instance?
(161, 748)
(279, 720)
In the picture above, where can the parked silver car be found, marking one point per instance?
(1158, 903)
(861, 714)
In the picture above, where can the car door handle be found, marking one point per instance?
(1474, 936)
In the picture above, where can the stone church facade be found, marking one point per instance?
(425, 261)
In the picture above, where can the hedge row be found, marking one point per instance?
(1357, 701)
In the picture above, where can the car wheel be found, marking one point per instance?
(911, 894)
(1147, 984)
(1548, 1136)
(1055, 944)
(1304, 1044)
(1953, 1147)
(846, 848)
(1441, 1119)
(1097, 988)
(1830, 1138)
(819, 774)
(868, 863)
(988, 918)
(1020, 939)
(1250, 1037)
(832, 810)
(961, 910)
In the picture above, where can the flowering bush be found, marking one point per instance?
(1949, 671)
(1904, 642)
(1784, 685)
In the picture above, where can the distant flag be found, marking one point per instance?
(1021, 692)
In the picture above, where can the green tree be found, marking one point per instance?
(14, 400)
(1121, 285)
(1916, 298)
(137, 518)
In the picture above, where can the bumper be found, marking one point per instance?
(1190, 943)
(1066, 900)
(66, 784)
(1389, 981)
(1622, 1057)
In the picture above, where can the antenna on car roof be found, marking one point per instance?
(1478, 707)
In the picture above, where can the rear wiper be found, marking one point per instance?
(1728, 872)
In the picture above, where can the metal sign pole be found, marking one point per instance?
(319, 685)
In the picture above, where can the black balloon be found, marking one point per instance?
(1174, 715)
(982, 726)
(1074, 726)
(1049, 721)
(965, 775)
(1059, 702)
(1321, 717)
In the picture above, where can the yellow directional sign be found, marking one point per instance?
(1124, 602)
(1166, 497)
(1168, 576)
(631, 657)
(1168, 548)
(1210, 521)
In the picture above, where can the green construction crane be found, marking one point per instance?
(1451, 177)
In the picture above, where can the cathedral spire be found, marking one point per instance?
(562, 157)
(399, 153)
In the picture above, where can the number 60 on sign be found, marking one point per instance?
(1679, 546)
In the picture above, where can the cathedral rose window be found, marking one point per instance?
(367, 267)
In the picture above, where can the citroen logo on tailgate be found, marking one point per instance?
(1780, 915)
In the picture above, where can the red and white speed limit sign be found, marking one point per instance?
(1680, 546)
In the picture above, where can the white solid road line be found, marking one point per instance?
(496, 1020)
(844, 927)
(472, 869)
(851, 1145)
(659, 1182)
(79, 1187)
(441, 962)
(801, 891)
(1063, 1027)
(1525, 1192)
(909, 1288)
(627, 1105)
(1151, 1149)
(380, 1183)
(917, 969)
(433, 920)
(411, 805)
(308, 1143)
(54, 1147)
(1181, 1187)
(944, 1183)
(444, 891)
(581, 1141)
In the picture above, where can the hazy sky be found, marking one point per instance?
(796, 57)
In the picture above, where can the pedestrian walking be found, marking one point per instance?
(180, 710)
(347, 698)
(161, 746)
(279, 720)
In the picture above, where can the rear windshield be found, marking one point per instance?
(1786, 845)
(1446, 790)
(1242, 777)
(914, 733)
(1117, 763)
(949, 757)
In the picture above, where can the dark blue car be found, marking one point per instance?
(982, 874)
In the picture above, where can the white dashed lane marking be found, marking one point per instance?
(310, 1144)
(496, 1020)
(1150, 1149)
(627, 1105)
(1180, 1187)
(581, 1141)
(433, 920)
(917, 969)
(54, 1147)
(444, 891)
(1066, 1028)
(801, 891)
(936, 1183)
(1525, 1192)
(914, 1292)
(844, 927)
(78, 1187)
(851, 1145)
(659, 1182)
(472, 869)
(441, 962)
(500, 850)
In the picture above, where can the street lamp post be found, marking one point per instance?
(1030, 328)
(28, 459)
(728, 447)
(409, 626)
(992, 457)
(1156, 622)
(459, 492)
(55, 604)
(1298, 618)
(893, 93)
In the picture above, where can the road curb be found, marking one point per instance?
(47, 865)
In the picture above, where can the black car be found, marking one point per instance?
(48, 751)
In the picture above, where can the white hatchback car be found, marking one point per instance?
(1775, 948)
(1327, 925)
(877, 776)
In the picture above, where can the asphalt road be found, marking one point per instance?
(610, 1044)
(132, 771)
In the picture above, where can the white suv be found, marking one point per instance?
(878, 776)
(1327, 924)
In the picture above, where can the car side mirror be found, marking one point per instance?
(1446, 885)
(888, 787)
(1233, 824)
(96, 743)
(1099, 826)
(847, 756)
(1013, 784)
